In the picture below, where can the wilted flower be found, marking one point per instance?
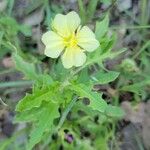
(69, 39)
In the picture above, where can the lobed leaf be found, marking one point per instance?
(28, 116)
(45, 123)
(36, 98)
(96, 101)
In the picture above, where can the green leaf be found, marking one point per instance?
(28, 69)
(45, 79)
(136, 87)
(84, 76)
(104, 78)
(9, 25)
(100, 58)
(45, 123)
(36, 98)
(106, 2)
(59, 71)
(1, 37)
(26, 30)
(108, 42)
(96, 101)
(91, 8)
(114, 111)
(10, 6)
(82, 11)
(102, 27)
(28, 116)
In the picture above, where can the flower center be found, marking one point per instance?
(71, 41)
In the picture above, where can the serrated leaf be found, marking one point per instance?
(103, 78)
(114, 111)
(36, 98)
(45, 123)
(96, 101)
(102, 27)
(45, 79)
(28, 116)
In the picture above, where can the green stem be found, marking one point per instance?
(142, 49)
(15, 84)
(62, 120)
(131, 27)
(7, 71)
(143, 12)
(65, 113)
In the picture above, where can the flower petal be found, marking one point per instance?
(54, 44)
(86, 39)
(73, 56)
(53, 52)
(66, 24)
(79, 57)
(73, 21)
(67, 58)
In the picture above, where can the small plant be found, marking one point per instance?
(67, 87)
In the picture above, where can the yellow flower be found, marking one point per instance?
(69, 39)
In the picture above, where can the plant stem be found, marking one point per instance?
(62, 120)
(142, 49)
(15, 84)
(131, 27)
(143, 12)
(65, 113)
(6, 71)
